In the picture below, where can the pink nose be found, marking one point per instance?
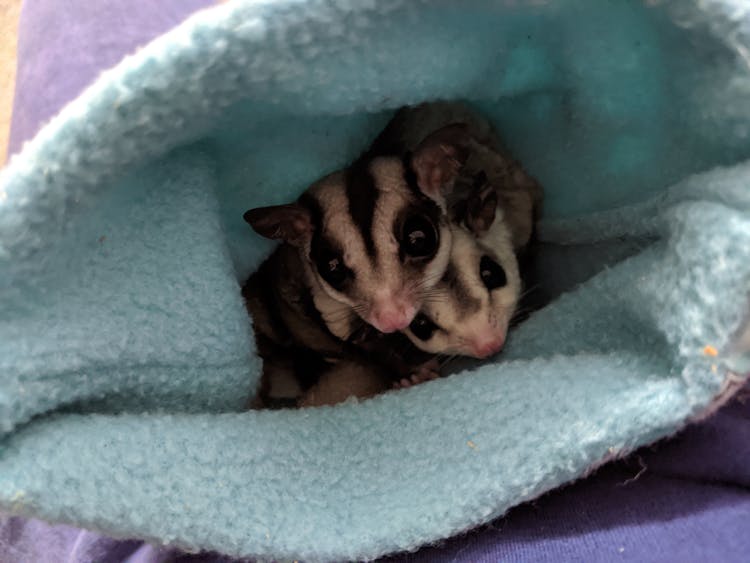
(486, 348)
(392, 317)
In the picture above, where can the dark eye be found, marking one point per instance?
(422, 327)
(419, 237)
(492, 273)
(332, 269)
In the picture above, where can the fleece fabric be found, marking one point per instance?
(685, 499)
(122, 249)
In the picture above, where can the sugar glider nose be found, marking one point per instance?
(391, 316)
(487, 347)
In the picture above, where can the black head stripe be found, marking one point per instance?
(362, 196)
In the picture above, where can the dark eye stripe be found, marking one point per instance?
(492, 273)
(362, 196)
(420, 238)
(423, 327)
(323, 253)
(322, 249)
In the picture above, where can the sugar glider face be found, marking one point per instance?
(468, 311)
(375, 236)
(381, 244)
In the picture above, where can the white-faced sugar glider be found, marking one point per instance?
(367, 243)
(493, 208)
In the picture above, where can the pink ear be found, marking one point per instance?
(290, 223)
(439, 158)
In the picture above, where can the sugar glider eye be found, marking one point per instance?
(492, 273)
(422, 327)
(332, 269)
(419, 238)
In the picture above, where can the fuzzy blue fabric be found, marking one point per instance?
(125, 350)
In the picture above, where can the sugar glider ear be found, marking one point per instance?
(521, 203)
(291, 223)
(480, 211)
(439, 158)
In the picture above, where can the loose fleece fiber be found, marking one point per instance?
(125, 350)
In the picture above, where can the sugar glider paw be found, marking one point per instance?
(425, 372)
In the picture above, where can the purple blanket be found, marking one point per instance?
(686, 499)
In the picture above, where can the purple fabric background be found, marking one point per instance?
(63, 46)
(686, 499)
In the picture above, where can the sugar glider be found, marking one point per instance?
(363, 244)
(470, 309)
(497, 202)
